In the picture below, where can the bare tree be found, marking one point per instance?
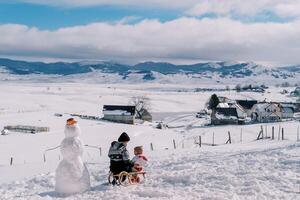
(238, 87)
(141, 103)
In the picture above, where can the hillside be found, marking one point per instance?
(148, 71)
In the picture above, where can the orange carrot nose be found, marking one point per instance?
(71, 121)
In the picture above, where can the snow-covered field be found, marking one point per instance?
(245, 169)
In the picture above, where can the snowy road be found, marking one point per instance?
(271, 170)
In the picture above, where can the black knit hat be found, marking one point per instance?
(124, 137)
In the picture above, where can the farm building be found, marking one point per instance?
(227, 115)
(247, 105)
(266, 112)
(119, 113)
(26, 129)
(144, 115)
(240, 111)
(294, 105)
(297, 107)
(287, 112)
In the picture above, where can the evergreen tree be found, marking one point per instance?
(238, 87)
(213, 102)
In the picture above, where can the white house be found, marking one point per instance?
(266, 112)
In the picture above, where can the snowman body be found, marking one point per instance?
(72, 175)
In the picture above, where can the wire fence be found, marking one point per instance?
(205, 138)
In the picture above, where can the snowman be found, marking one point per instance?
(72, 175)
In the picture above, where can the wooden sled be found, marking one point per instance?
(126, 178)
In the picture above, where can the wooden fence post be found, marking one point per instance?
(282, 134)
(200, 141)
(272, 132)
(262, 132)
(11, 161)
(174, 144)
(213, 139)
(279, 132)
(266, 135)
(259, 135)
(151, 146)
(44, 157)
(298, 133)
(241, 135)
(229, 138)
(100, 151)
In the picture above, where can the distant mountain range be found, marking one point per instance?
(149, 70)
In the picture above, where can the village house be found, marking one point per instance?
(119, 113)
(125, 114)
(223, 116)
(228, 113)
(266, 112)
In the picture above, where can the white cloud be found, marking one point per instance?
(229, 6)
(283, 8)
(180, 39)
(289, 9)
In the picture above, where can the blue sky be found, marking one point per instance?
(132, 31)
(53, 17)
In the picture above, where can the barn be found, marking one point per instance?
(224, 115)
(247, 105)
(119, 113)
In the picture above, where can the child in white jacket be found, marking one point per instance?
(139, 160)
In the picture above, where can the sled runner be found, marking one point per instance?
(126, 178)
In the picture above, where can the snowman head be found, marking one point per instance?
(72, 129)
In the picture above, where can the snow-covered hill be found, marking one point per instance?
(245, 169)
(161, 72)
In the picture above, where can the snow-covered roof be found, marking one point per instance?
(264, 105)
(116, 112)
(287, 110)
(247, 104)
(223, 105)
